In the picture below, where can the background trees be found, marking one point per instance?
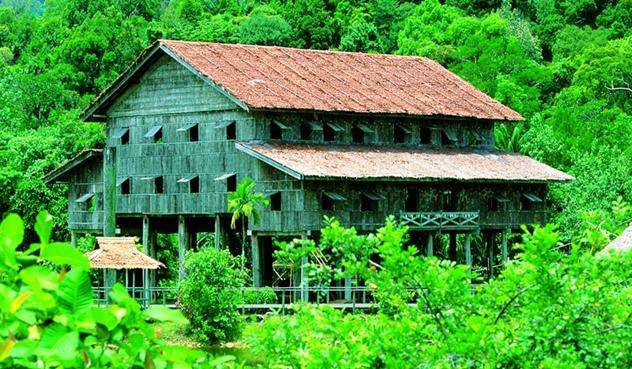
(564, 65)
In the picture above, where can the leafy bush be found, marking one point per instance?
(547, 309)
(48, 319)
(209, 294)
(263, 295)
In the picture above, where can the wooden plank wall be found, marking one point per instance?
(86, 216)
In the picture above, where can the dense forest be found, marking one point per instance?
(565, 65)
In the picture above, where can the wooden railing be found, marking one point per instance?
(513, 218)
(441, 220)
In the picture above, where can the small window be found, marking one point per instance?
(448, 137)
(159, 186)
(330, 130)
(194, 185)
(401, 134)
(425, 136)
(528, 201)
(125, 186)
(308, 129)
(194, 133)
(498, 203)
(193, 182)
(155, 134)
(231, 131)
(475, 137)
(412, 200)
(275, 201)
(369, 201)
(329, 199)
(359, 132)
(231, 183)
(276, 130)
(123, 135)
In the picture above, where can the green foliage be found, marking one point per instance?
(209, 294)
(48, 317)
(547, 309)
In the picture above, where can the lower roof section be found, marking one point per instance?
(355, 162)
(60, 174)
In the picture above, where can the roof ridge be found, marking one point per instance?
(321, 51)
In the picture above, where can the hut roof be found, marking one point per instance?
(306, 161)
(287, 79)
(623, 242)
(60, 173)
(120, 253)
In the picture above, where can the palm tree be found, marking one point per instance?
(244, 204)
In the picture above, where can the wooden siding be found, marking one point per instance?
(87, 216)
(169, 96)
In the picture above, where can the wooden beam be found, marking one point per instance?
(304, 280)
(218, 232)
(468, 251)
(146, 241)
(73, 239)
(504, 250)
(183, 239)
(452, 247)
(109, 192)
(256, 260)
(490, 253)
(430, 244)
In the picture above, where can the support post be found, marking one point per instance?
(429, 244)
(490, 253)
(73, 239)
(304, 281)
(504, 250)
(146, 290)
(218, 232)
(256, 260)
(152, 253)
(183, 239)
(109, 210)
(348, 291)
(452, 247)
(109, 192)
(468, 251)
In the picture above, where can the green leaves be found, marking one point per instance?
(164, 314)
(64, 254)
(11, 235)
(75, 293)
(44, 226)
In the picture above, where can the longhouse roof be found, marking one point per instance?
(120, 253)
(623, 242)
(60, 173)
(305, 161)
(287, 79)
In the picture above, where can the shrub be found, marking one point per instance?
(264, 295)
(48, 318)
(209, 294)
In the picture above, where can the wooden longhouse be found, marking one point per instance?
(350, 135)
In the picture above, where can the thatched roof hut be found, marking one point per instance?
(623, 242)
(120, 253)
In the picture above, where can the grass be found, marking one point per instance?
(175, 334)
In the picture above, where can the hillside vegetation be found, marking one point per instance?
(565, 65)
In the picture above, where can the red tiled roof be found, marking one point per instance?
(370, 162)
(278, 78)
(623, 242)
(120, 253)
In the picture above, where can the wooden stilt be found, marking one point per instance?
(348, 292)
(490, 253)
(468, 251)
(146, 241)
(256, 260)
(504, 250)
(304, 280)
(109, 192)
(73, 239)
(182, 244)
(152, 252)
(429, 244)
(452, 247)
(218, 232)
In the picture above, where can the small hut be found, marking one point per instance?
(623, 242)
(121, 253)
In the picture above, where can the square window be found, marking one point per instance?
(194, 185)
(425, 135)
(275, 201)
(412, 200)
(125, 186)
(194, 133)
(369, 201)
(231, 131)
(159, 185)
(231, 183)
(329, 199)
(401, 134)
